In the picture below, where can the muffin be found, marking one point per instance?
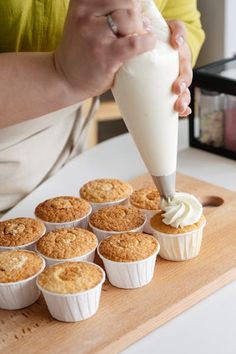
(148, 201)
(116, 219)
(129, 259)
(72, 290)
(106, 192)
(18, 272)
(64, 211)
(179, 228)
(72, 244)
(20, 233)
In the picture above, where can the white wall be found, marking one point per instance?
(219, 22)
(230, 28)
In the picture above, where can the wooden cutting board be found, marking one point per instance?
(125, 316)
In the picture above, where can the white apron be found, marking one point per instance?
(33, 150)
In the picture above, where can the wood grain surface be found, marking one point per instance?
(125, 316)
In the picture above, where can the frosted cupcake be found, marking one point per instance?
(129, 259)
(106, 192)
(18, 272)
(20, 233)
(179, 228)
(72, 244)
(72, 290)
(64, 211)
(148, 201)
(116, 219)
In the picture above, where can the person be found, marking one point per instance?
(54, 55)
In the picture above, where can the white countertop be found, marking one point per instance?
(208, 327)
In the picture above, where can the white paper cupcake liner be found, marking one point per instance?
(88, 257)
(149, 214)
(17, 295)
(28, 246)
(180, 247)
(74, 307)
(82, 223)
(101, 234)
(97, 206)
(130, 275)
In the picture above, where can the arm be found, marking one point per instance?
(30, 87)
(83, 66)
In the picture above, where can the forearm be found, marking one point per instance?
(30, 86)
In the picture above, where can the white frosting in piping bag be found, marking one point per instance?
(143, 92)
(184, 209)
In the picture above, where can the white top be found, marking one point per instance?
(35, 149)
(206, 328)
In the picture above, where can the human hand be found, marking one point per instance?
(180, 86)
(90, 54)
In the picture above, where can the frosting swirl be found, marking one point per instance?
(184, 209)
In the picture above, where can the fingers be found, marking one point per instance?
(182, 103)
(178, 33)
(104, 7)
(128, 47)
(128, 21)
(180, 86)
(178, 41)
(185, 75)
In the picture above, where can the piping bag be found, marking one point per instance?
(143, 92)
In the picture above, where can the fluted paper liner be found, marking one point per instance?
(130, 275)
(74, 307)
(97, 206)
(20, 294)
(180, 247)
(87, 257)
(82, 223)
(102, 234)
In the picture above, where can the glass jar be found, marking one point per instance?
(211, 118)
(230, 122)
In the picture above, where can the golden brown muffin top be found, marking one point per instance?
(18, 265)
(117, 218)
(157, 224)
(128, 247)
(67, 243)
(146, 198)
(62, 209)
(70, 277)
(20, 231)
(105, 190)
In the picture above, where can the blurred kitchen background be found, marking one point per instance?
(219, 23)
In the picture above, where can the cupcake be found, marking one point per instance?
(20, 233)
(18, 272)
(148, 201)
(129, 259)
(179, 228)
(62, 245)
(116, 219)
(72, 290)
(106, 192)
(61, 212)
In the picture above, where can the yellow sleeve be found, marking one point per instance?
(186, 11)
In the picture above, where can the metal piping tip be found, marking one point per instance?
(165, 185)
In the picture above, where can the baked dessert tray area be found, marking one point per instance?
(124, 316)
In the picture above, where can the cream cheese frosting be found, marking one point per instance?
(184, 209)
